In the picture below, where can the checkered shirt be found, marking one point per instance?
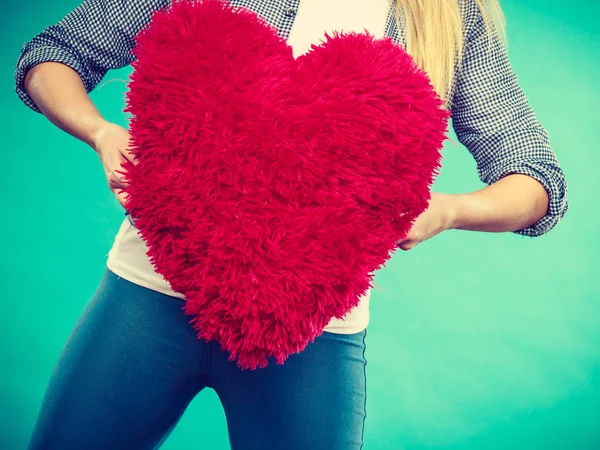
(490, 113)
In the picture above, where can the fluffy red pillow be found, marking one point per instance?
(269, 189)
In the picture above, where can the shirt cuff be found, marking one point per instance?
(553, 181)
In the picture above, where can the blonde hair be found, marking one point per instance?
(435, 39)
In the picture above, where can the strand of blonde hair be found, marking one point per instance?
(434, 35)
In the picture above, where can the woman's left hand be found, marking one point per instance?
(439, 216)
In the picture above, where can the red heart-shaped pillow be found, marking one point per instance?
(269, 189)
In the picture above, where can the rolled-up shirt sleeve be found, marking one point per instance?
(494, 121)
(95, 37)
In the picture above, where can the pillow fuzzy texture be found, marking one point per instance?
(268, 188)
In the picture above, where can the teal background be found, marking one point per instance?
(478, 341)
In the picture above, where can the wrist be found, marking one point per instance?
(97, 131)
(454, 211)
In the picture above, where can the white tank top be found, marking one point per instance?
(128, 255)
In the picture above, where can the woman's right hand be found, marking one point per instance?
(112, 143)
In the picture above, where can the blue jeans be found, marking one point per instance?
(133, 363)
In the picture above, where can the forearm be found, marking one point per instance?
(514, 202)
(59, 93)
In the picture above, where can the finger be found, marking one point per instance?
(407, 245)
(127, 152)
(121, 196)
(116, 179)
(407, 238)
(121, 175)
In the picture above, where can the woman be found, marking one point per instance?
(133, 363)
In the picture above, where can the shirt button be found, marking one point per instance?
(290, 12)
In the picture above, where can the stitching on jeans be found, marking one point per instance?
(362, 437)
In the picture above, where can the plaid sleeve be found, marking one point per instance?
(492, 118)
(95, 37)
